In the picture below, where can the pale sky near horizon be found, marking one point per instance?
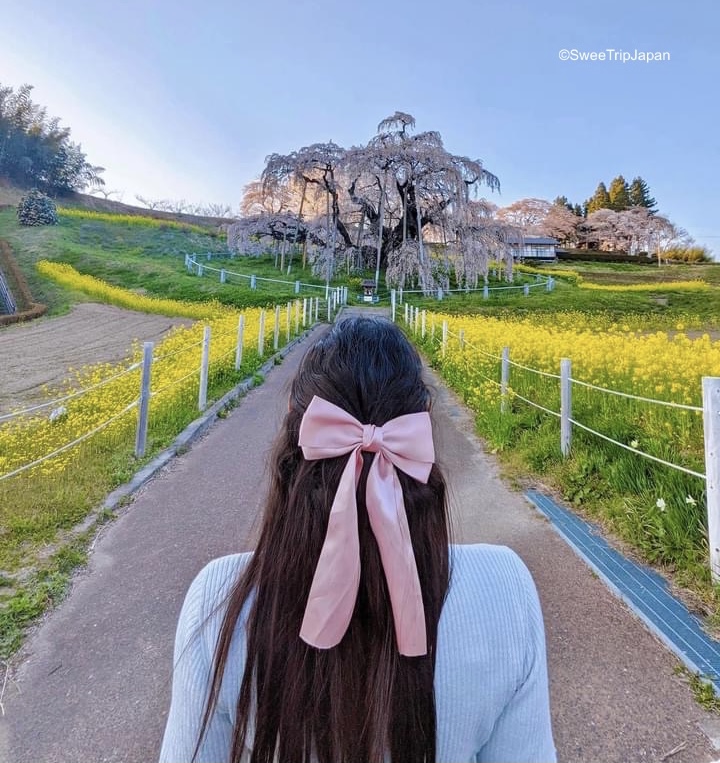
(185, 100)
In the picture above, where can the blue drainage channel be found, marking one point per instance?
(642, 589)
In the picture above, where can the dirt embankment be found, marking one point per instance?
(39, 353)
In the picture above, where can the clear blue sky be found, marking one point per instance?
(184, 100)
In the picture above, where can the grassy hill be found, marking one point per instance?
(138, 249)
(135, 250)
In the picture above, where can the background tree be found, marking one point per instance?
(599, 200)
(107, 193)
(160, 204)
(619, 194)
(639, 193)
(537, 217)
(633, 231)
(563, 202)
(527, 214)
(36, 151)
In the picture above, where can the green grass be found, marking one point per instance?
(627, 273)
(130, 251)
(147, 258)
(46, 587)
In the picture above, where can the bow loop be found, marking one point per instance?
(327, 431)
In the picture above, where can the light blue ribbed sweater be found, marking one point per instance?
(491, 687)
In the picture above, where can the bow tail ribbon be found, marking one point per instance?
(388, 519)
(333, 592)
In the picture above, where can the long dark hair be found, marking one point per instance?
(362, 699)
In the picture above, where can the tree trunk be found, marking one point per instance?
(282, 250)
(421, 249)
(405, 214)
(359, 240)
(299, 218)
(380, 231)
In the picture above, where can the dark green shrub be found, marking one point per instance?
(36, 208)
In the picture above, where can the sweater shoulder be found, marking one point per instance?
(483, 566)
(214, 581)
(490, 588)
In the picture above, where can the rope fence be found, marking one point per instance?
(72, 444)
(194, 266)
(306, 312)
(55, 403)
(200, 268)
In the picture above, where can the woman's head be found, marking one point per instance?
(365, 366)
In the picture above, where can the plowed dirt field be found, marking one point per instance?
(38, 354)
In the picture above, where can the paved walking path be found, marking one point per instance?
(93, 682)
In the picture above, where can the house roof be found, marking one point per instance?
(536, 240)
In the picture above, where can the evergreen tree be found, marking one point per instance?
(640, 195)
(619, 194)
(563, 203)
(599, 200)
(578, 210)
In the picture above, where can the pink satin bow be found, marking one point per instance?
(327, 431)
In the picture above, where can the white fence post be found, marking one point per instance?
(317, 309)
(565, 406)
(200, 269)
(461, 339)
(711, 426)
(329, 311)
(288, 316)
(240, 339)
(486, 291)
(297, 316)
(432, 328)
(401, 295)
(222, 275)
(392, 304)
(407, 312)
(304, 314)
(444, 337)
(253, 282)
(526, 290)
(423, 323)
(202, 395)
(504, 378)
(261, 334)
(142, 425)
(276, 328)
(297, 287)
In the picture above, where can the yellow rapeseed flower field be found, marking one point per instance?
(659, 508)
(137, 220)
(66, 275)
(654, 364)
